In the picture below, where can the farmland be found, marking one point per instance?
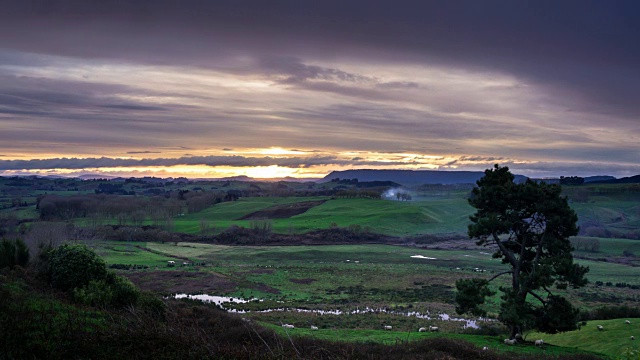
(347, 264)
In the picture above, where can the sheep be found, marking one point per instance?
(600, 327)
(388, 327)
(510, 341)
(627, 322)
(422, 329)
(288, 326)
(433, 328)
(633, 337)
(314, 327)
(485, 348)
(539, 342)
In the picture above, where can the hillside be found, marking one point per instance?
(613, 340)
(625, 180)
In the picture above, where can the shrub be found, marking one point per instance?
(96, 293)
(112, 291)
(75, 266)
(125, 293)
(13, 253)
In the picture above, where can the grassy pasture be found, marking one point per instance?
(351, 275)
(347, 277)
(127, 253)
(611, 247)
(612, 341)
(379, 216)
(494, 343)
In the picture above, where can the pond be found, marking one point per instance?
(220, 300)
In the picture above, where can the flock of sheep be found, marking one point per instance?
(540, 342)
(386, 327)
(600, 328)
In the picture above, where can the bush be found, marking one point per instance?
(96, 293)
(112, 291)
(75, 266)
(125, 293)
(13, 253)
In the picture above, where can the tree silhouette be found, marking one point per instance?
(529, 226)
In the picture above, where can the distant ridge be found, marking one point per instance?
(590, 179)
(625, 180)
(413, 177)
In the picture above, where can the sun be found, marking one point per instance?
(269, 172)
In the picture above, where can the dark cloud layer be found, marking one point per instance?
(587, 46)
(235, 160)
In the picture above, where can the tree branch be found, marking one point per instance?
(537, 297)
(507, 253)
(502, 273)
(547, 290)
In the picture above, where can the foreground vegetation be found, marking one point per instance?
(44, 323)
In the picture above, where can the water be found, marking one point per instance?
(220, 300)
(422, 257)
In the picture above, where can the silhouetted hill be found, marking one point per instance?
(409, 177)
(590, 179)
(625, 180)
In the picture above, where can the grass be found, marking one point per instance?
(612, 247)
(131, 253)
(494, 343)
(335, 276)
(381, 216)
(612, 341)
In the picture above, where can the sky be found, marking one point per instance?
(270, 89)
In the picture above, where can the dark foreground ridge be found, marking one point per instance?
(37, 322)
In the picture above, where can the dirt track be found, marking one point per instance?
(284, 211)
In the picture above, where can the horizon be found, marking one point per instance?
(290, 89)
(89, 176)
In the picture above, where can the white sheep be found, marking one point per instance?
(510, 341)
(627, 322)
(314, 327)
(433, 328)
(422, 329)
(485, 348)
(288, 326)
(388, 327)
(539, 342)
(600, 327)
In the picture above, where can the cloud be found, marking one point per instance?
(235, 161)
(143, 152)
(291, 70)
(516, 80)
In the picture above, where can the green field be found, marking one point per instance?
(379, 216)
(344, 276)
(613, 340)
(348, 277)
(494, 343)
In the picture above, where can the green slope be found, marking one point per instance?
(613, 340)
